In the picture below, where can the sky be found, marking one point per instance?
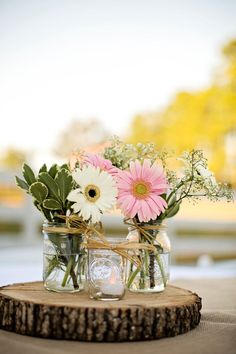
(104, 59)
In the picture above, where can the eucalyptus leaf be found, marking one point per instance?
(51, 184)
(64, 181)
(39, 191)
(28, 174)
(52, 204)
(21, 183)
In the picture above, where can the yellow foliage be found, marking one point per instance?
(12, 158)
(200, 119)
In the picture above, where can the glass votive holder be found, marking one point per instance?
(106, 279)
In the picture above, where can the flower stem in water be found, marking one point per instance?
(160, 264)
(152, 270)
(68, 271)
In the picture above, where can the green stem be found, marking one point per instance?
(142, 279)
(152, 270)
(177, 187)
(132, 277)
(131, 269)
(68, 271)
(174, 191)
(146, 263)
(52, 264)
(160, 264)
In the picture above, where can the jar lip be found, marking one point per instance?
(113, 239)
(47, 223)
(116, 240)
(162, 225)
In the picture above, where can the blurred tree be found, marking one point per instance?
(80, 135)
(229, 51)
(205, 119)
(12, 158)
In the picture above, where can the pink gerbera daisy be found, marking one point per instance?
(98, 161)
(139, 190)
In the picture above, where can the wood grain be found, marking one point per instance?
(29, 309)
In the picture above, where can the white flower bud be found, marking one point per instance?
(207, 175)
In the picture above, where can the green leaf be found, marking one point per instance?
(21, 183)
(64, 181)
(159, 248)
(45, 212)
(39, 191)
(172, 200)
(43, 168)
(172, 211)
(163, 196)
(28, 174)
(65, 166)
(51, 184)
(53, 170)
(52, 204)
(37, 205)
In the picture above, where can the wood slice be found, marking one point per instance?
(31, 310)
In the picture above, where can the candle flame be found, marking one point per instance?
(113, 277)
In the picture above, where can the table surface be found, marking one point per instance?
(216, 333)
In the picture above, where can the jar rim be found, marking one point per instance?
(113, 240)
(161, 225)
(53, 223)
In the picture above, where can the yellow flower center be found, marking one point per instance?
(141, 190)
(92, 193)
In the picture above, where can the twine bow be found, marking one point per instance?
(143, 229)
(124, 249)
(75, 225)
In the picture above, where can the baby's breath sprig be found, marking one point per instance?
(121, 154)
(193, 182)
(198, 181)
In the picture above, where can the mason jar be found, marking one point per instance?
(152, 275)
(64, 260)
(106, 272)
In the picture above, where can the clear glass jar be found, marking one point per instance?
(153, 274)
(106, 273)
(64, 260)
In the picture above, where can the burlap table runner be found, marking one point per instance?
(216, 333)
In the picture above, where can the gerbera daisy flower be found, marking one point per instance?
(98, 161)
(140, 190)
(96, 193)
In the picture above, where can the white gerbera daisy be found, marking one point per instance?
(96, 193)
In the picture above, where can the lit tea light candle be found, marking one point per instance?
(113, 289)
(113, 286)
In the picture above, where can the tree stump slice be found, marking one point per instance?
(29, 309)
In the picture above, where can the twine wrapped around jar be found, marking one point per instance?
(75, 225)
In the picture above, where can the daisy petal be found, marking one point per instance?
(73, 195)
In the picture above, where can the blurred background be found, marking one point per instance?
(75, 72)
